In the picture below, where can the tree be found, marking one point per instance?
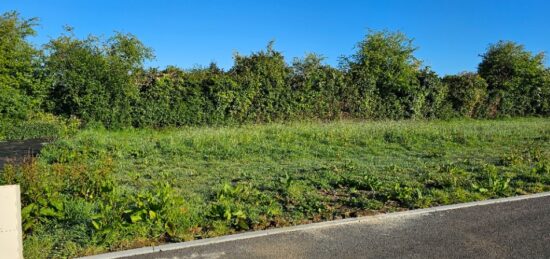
(516, 79)
(20, 88)
(315, 88)
(95, 80)
(435, 94)
(544, 97)
(264, 92)
(383, 77)
(467, 93)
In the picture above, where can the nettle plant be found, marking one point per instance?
(231, 207)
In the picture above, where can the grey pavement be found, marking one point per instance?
(514, 229)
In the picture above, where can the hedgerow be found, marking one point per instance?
(104, 81)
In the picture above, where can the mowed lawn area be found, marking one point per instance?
(103, 190)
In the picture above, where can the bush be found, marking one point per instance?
(13, 104)
(383, 77)
(174, 97)
(517, 80)
(315, 89)
(264, 94)
(467, 93)
(104, 82)
(169, 98)
(94, 80)
(434, 105)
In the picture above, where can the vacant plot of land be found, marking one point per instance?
(101, 190)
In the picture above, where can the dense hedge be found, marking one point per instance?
(468, 94)
(105, 81)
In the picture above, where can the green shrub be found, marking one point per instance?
(383, 78)
(517, 80)
(435, 92)
(94, 80)
(264, 93)
(315, 89)
(467, 94)
(230, 209)
(174, 98)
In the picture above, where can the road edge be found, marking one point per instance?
(274, 231)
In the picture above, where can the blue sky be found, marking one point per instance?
(450, 34)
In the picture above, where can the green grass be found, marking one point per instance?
(120, 189)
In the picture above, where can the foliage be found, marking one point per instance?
(467, 94)
(19, 87)
(96, 189)
(83, 198)
(435, 92)
(315, 89)
(104, 82)
(517, 81)
(13, 104)
(104, 190)
(263, 93)
(174, 97)
(231, 208)
(383, 77)
(94, 80)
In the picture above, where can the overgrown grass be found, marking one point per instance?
(106, 190)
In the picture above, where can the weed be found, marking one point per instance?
(104, 190)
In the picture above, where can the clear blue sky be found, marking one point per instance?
(450, 34)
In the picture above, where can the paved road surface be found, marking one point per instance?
(517, 229)
(15, 151)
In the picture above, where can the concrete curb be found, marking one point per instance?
(261, 233)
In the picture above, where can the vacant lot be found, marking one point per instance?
(101, 190)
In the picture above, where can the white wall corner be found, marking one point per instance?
(11, 234)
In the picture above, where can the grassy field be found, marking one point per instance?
(105, 190)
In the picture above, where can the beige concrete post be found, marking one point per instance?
(11, 235)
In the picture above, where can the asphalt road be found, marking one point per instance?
(16, 151)
(516, 229)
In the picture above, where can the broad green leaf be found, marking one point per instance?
(152, 214)
(135, 217)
